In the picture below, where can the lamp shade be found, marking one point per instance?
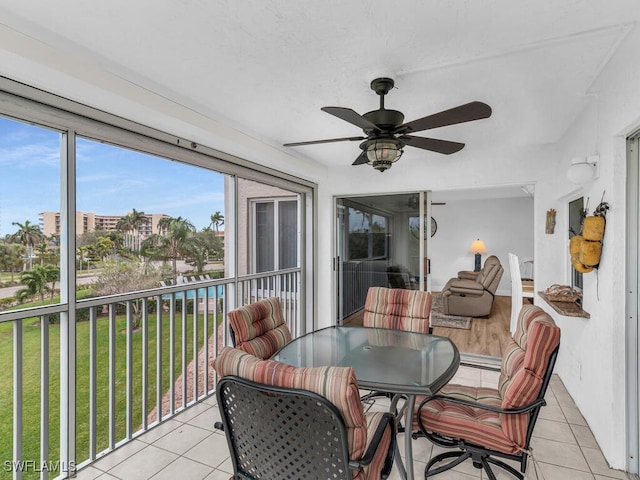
(478, 246)
(580, 171)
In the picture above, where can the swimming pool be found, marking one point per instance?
(211, 291)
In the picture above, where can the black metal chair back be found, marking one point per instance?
(281, 433)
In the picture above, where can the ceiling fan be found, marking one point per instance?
(386, 135)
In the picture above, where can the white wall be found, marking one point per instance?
(504, 225)
(592, 354)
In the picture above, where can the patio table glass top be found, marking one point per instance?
(390, 360)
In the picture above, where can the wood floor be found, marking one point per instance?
(488, 335)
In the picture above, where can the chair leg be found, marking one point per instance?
(460, 457)
(506, 467)
(485, 465)
(480, 460)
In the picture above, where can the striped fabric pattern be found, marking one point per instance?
(337, 384)
(475, 425)
(521, 376)
(398, 309)
(524, 364)
(259, 327)
(372, 471)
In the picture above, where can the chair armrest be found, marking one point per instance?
(388, 420)
(468, 275)
(466, 287)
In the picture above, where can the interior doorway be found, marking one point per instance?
(381, 240)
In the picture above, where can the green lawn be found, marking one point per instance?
(31, 382)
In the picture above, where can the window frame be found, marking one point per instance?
(253, 240)
(25, 103)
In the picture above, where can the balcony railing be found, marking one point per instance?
(105, 370)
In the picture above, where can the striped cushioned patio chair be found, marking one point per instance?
(258, 328)
(398, 309)
(486, 424)
(287, 422)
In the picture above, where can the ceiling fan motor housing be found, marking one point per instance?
(385, 119)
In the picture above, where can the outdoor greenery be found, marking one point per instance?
(31, 379)
(119, 262)
(11, 255)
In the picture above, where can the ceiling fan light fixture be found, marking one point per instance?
(381, 154)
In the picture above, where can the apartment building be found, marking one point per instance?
(89, 221)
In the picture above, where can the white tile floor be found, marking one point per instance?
(189, 448)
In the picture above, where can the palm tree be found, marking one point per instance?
(36, 282)
(124, 224)
(175, 244)
(41, 249)
(51, 275)
(131, 223)
(217, 219)
(11, 257)
(103, 247)
(137, 218)
(163, 225)
(28, 235)
(116, 238)
(203, 246)
(82, 252)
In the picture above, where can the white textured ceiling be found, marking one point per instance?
(266, 67)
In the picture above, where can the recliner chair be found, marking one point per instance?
(471, 295)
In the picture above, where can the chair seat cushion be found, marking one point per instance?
(475, 425)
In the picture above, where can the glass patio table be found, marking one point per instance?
(394, 361)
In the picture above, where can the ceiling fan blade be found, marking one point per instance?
(460, 114)
(362, 158)
(441, 146)
(330, 140)
(353, 117)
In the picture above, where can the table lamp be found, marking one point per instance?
(478, 247)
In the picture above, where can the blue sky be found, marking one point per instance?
(110, 180)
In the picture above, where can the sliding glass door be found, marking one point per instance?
(381, 240)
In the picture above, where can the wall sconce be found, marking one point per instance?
(583, 169)
(478, 247)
